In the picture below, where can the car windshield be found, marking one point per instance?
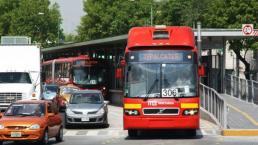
(82, 98)
(51, 88)
(161, 80)
(15, 77)
(18, 109)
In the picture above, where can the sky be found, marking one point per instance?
(71, 11)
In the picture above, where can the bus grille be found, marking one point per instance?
(161, 111)
(10, 97)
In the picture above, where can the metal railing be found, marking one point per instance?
(212, 102)
(246, 90)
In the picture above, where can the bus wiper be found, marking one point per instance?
(150, 90)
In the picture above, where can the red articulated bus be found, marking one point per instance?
(80, 71)
(161, 80)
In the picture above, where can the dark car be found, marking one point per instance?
(86, 107)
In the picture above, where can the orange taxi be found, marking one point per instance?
(31, 120)
(66, 92)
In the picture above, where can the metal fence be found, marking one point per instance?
(212, 102)
(246, 90)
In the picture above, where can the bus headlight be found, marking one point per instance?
(190, 112)
(131, 112)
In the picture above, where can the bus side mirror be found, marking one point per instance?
(201, 70)
(119, 73)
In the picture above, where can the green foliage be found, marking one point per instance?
(232, 14)
(106, 18)
(70, 38)
(22, 18)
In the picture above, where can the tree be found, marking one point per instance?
(70, 38)
(106, 18)
(232, 14)
(22, 18)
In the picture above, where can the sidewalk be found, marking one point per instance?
(242, 117)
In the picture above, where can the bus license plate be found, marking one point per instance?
(16, 134)
(85, 119)
(169, 92)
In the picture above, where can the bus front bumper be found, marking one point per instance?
(187, 122)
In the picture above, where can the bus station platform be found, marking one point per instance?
(242, 117)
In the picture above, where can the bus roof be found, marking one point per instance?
(68, 59)
(161, 36)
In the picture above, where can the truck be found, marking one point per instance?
(20, 67)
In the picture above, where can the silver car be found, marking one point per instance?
(86, 107)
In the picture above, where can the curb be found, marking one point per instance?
(239, 132)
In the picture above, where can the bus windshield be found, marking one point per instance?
(15, 77)
(161, 80)
(88, 75)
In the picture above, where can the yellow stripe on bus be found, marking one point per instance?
(132, 106)
(189, 105)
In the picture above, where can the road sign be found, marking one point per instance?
(247, 29)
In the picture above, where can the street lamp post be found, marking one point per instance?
(38, 27)
(58, 27)
(151, 14)
(151, 9)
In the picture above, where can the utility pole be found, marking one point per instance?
(151, 15)
(199, 42)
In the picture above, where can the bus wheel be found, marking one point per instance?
(132, 133)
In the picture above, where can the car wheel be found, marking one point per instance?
(132, 133)
(67, 125)
(60, 135)
(44, 139)
(105, 124)
(1, 142)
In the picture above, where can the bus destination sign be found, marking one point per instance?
(160, 56)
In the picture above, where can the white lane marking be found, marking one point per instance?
(92, 133)
(115, 114)
(71, 133)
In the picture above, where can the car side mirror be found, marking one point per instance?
(201, 70)
(106, 102)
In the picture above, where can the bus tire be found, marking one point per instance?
(132, 133)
